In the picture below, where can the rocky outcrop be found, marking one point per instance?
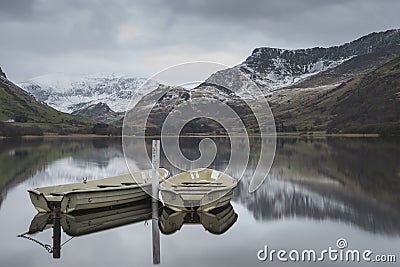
(100, 112)
(2, 74)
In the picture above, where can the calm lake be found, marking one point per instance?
(318, 191)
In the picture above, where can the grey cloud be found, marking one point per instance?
(41, 36)
(17, 9)
(296, 23)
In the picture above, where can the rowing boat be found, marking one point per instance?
(199, 189)
(95, 194)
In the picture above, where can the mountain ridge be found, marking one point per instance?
(273, 68)
(270, 68)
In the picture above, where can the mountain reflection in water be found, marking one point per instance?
(343, 182)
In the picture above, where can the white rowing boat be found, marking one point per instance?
(200, 189)
(95, 194)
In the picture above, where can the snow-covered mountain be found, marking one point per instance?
(71, 93)
(270, 68)
(274, 68)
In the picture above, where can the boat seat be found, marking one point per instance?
(190, 192)
(129, 183)
(189, 183)
(54, 198)
(87, 188)
(188, 189)
(64, 193)
(57, 194)
(194, 185)
(108, 185)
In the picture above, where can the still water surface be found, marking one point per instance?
(318, 190)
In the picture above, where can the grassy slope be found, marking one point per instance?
(14, 102)
(367, 103)
(372, 104)
(311, 110)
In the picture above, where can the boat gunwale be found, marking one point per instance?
(98, 189)
(172, 185)
(225, 188)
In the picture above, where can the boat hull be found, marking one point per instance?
(76, 201)
(100, 199)
(196, 201)
(96, 194)
(39, 201)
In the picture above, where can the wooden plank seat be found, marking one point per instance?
(129, 183)
(193, 189)
(197, 186)
(108, 185)
(58, 193)
(201, 183)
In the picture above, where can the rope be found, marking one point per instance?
(67, 241)
(45, 246)
(49, 248)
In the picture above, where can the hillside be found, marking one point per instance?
(368, 103)
(371, 104)
(21, 107)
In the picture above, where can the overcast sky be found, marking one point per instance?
(143, 37)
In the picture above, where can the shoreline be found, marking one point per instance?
(278, 135)
(56, 136)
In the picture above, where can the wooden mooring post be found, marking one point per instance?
(56, 232)
(155, 205)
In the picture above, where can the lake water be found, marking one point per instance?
(318, 191)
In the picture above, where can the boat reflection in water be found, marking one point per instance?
(80, 224)
(216, 221)
(163, 219)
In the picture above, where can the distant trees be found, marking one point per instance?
(20, 118)
(9, 130)
(100, 128)
(106, 129)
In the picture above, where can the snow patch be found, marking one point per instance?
(69, 93)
